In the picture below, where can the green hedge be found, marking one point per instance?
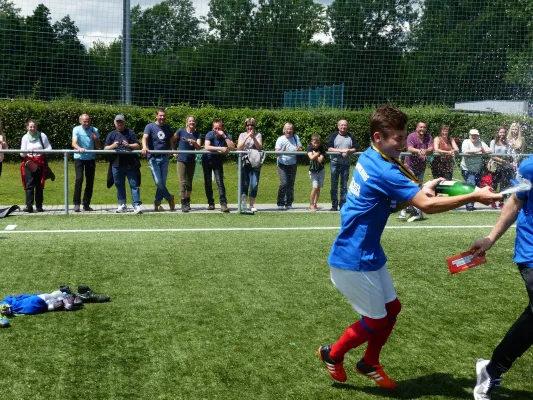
(57, 119)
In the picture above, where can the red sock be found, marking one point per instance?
(356, 335)
(377, 341)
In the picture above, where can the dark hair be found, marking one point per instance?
(386, 118)
(160, 110)
(218, 121)
(504, 140)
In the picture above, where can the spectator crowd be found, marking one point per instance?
(436, 153)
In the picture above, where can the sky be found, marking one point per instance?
(102, 19)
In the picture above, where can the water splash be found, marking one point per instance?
(520, 184)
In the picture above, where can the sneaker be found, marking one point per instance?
(335, 368)
(401, 217)
(224, 208)
(376, 373)
(157, 207)
(77, 208)
(253, 209)
(4, 322)
(28, 209)
(281, 208)
(39, 209)
(313, 207)
(484, 383)
(65, 289)
(494, 206)
(501, 204)
(137, 210)
(334, 208)
(122, 209)
(172, 202)
(470, 208)
(86, 295)
(211, 207)
(5, 309)
(188, 203)
(414, 217)
(88, 208)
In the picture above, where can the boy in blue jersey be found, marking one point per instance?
(519, 338)
(380, 184)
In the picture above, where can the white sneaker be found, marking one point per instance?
(281, 207)
(122, 209)
(484, 383)
(289, 207)
(402, 216)
(253, 209)
(414, 217)
(137, 210)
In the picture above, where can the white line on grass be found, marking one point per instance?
(306, 228)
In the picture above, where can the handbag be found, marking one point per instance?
(255, 158)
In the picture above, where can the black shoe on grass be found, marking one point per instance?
(88, 296)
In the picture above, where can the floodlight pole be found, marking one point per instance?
(126, 54)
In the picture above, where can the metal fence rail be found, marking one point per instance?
(239, 154)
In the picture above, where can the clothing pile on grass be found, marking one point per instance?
(63, 299)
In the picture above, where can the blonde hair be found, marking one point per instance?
(288, 124)
(518, 142)
(250, 121)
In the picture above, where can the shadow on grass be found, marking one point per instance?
(442, 385)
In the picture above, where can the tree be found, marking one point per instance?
(165, 27)
(230, 21)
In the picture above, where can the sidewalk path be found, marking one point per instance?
(108, 209)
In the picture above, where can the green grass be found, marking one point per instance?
(11, 191)
(240, 314)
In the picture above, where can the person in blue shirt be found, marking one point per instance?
(84, 137)
(157, 136)
(518, 208)
(380, 184)
(217, 141)
(125, 164)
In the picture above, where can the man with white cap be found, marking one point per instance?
(471, 166)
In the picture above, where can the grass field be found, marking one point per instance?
(239, 314)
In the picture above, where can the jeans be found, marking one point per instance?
(119, 176)
(250, 180)
(89, 167)
(519, 338)
(34, 187)
(287, 177)
(218, 170)
(474, 178)
(159, 169)
(342, 171)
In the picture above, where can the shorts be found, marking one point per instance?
(367, 291)
(317, 178)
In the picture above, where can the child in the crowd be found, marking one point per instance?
(317, 157)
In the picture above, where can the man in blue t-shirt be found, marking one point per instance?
(157, 136)
(216, 141)
(380, 184)
(125, 164)
(84, 137)
(519, 338)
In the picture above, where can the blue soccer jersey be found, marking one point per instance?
(523, 252)
(375, 188)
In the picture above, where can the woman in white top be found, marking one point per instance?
(33, 168)
(516, 143)
(250, 176)
(504, 168)
(471, 166)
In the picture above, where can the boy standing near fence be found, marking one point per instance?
(317, 156)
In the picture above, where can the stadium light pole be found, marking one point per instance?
(126, 53)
